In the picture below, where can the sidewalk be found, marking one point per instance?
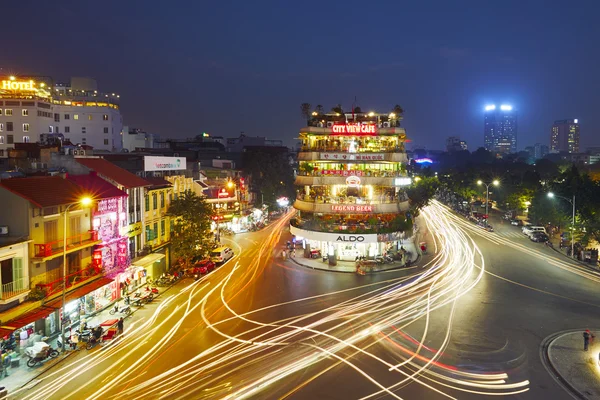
(576, 370)
(555, 240)
(22, 375)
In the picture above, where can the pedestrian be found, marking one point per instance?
(294, 253)
(586, 339)
(120, 326)
(283, 254)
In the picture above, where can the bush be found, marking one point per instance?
(37, 293)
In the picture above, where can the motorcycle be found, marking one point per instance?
(39, 352)
(125, 309)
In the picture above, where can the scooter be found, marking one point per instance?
(125, 309)
(36, 355)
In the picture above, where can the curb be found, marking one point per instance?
(73, 352)
(354, 272)
(549, 366)
(589, 266)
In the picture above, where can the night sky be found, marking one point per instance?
(229, 66)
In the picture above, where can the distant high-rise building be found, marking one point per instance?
(500, 129)
(540, 151)
(453, 143)
(565, 136)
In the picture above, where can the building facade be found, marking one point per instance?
(500, 129)
(565, 136)
(351, 198)
(453, 143)
(31, 107)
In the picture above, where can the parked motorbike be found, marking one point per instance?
(39, 352)
(125, 309)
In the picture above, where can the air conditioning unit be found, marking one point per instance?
(4, 230)
(320, 124)
(386, 124)
(329, 124)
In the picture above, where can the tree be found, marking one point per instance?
(191, 237)
(271, 172)
(338, 109)
(305, 110)
(421, 193)
(319, 109)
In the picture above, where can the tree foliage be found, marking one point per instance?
(271, 172)
(421, 193)
(191, 237)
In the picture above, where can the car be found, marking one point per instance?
(516, 222)
(535, 229)
(204, 266)
(539, 237)
(221, 254)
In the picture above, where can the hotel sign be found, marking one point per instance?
(352, 156)
(152, 163)
(354, 129)
(350, 208)
(19, 85)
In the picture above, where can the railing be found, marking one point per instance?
(355, 228)
(14, 288)
(72, 279)
(346, 149)
(353, 200)
(56, 247)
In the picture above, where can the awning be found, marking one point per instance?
(149, 259)
(80, 292)
(202, 184)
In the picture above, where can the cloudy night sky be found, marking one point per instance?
(183, 68)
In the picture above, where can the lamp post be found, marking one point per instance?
(487, 195)
(86, 201)
(552, 195)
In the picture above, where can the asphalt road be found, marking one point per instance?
(465, 324)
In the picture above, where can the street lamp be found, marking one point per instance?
(487, 195)
(85, 201)
(552, 195)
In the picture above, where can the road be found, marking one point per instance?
(465, 324)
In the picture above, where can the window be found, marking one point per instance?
(76, 116)
(67, 129)
(162, 227)
(1, 127)
(106, 141)
(162, 200)
(148, 233)
(0, 111)
(25, 112)
(83, 140)
(90, 117)
(105, 117)
(83, 129)
(1, 152)
(105, 129)
(155, 230)
(25, 139)
(1, 139)
(9, 126)
(8, 112)
(50, 230)
(51, 129)
(147, 200)
(67, 116)
(154, 201)
(10, 139)
(25, 127)
(56, 117)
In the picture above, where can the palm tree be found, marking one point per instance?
(319, 109)
(398, 110)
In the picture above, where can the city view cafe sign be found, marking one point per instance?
(354, 129)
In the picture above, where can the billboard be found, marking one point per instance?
(154, 163)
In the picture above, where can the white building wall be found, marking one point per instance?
(99, 127)
(28, 119)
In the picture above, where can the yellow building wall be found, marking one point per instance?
(156, 218)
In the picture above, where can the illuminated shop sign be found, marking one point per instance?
(224, 193)
(402, 181)
(153, 163)
(19, 85)
(350, 238)
(342, 172)
(352, 157)
(108, 205)
(353, 181)
(351, 208)
(425, 160)
(342, 129)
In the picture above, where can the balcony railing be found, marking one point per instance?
(56, 247)
(346, 149)
(14, 288)
(72, 279)
(351, 227)
(381, 199)
(359, 173)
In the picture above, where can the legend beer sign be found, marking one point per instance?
(353, 129)
(22, 86)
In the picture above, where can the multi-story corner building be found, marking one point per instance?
(500, 129)
(453, 143)
(157, 224)
(31, 107)
(565, 136)
(351, 198)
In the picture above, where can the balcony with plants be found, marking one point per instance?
(55, 247)
(355, 225)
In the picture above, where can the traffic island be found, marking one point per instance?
(576, 370)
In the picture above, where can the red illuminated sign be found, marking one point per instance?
(354, 129)
(224, 193)
(351, 208)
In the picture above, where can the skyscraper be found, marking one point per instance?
(500, 129)
(565, 136)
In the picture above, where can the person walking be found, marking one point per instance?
(587, 335)
(120, 326)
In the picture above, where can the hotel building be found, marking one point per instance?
(34, 108)
(351, 197)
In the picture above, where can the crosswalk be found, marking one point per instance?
(512, 234)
